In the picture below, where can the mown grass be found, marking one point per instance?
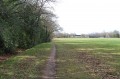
(28, 65)
(69, 65)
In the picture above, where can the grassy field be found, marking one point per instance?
(77, 58)
(28, 65)
(95, 58)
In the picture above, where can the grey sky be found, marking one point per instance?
(86, 16)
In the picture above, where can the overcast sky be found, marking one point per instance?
(86, 16)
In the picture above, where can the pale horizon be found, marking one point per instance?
(88, 16)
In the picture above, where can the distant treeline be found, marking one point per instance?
(25, 23)
(113, 34)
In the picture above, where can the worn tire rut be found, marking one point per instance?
(49, 71)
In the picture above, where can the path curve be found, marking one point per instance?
(49, 72)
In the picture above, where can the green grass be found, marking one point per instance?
(69, 65)
(28, 65)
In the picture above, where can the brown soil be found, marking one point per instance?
(49, 72)
(4, 57)
(97, 66)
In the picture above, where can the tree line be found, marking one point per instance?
(112, 34)
(26, 23)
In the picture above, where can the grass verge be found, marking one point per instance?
(28, 65)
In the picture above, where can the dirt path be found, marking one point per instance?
(49, 72)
